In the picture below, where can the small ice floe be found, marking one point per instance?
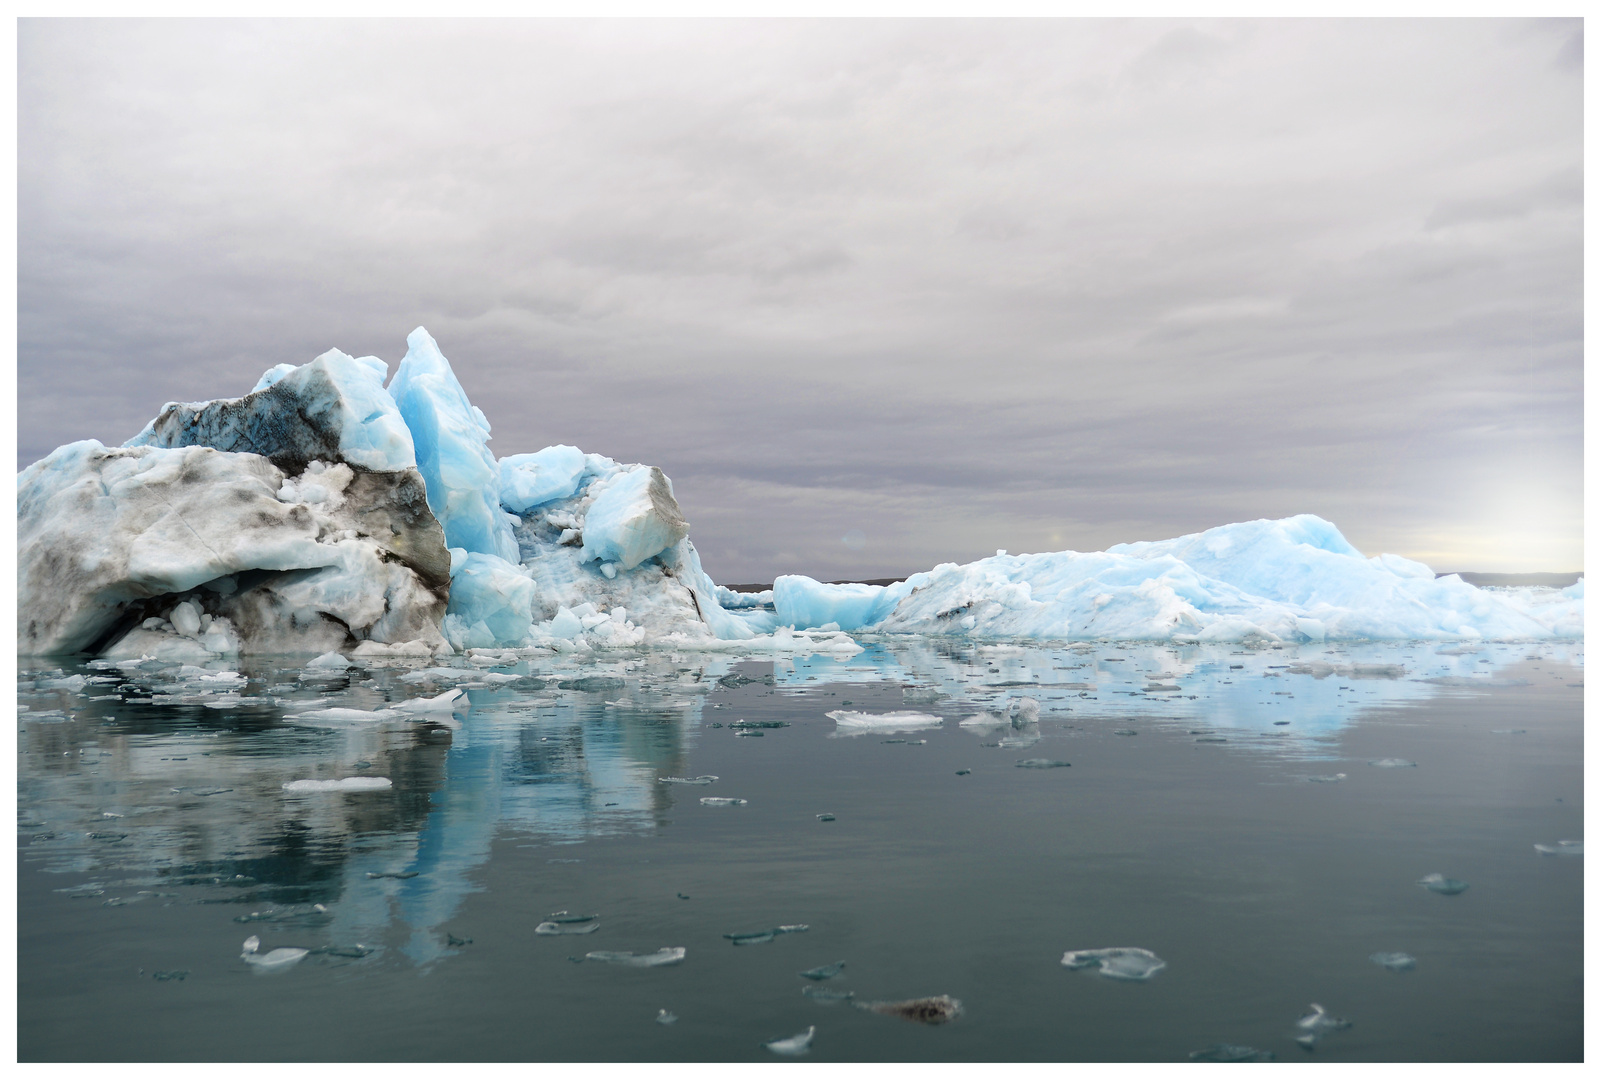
(449, 701)
(849, 723)
(1393, 763)
(827, 971)
(349, 783)
(1334, 779)
(825, 817)
(337, 716)
(761, 937)
(1395, 961)
(1042, 763)
(665, 1018)
(927, 1010)
(1125, 731)
(1231, 1052)
(549, 928)
(660, 958)
(700, 781)
(1445, 886)
(715, 801)
(1316, 1024)
(794, 1046)
(568, 917)
(1561, 847)
(824, 996)
(277, 960)
(964, 772)
(1133, 964)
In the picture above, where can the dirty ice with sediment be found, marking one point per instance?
(336, 509)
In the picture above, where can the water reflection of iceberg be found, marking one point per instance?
(134, 779)
(1320, 688)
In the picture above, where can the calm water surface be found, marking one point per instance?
(155, 836)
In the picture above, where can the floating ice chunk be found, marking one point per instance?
(565, 916)
(824, 996)
(564, 625)
(550, 928)
(665, 1018)
(349, 783)
(1443, 885)
(1134, 964)
(451, 438)
(1561, 847)
(827, 971)
(754, 937)
(634, 517)
(699, 781)
(804, 603)
(1393, 763)
(858, 723)
(530, 480)
(1042, 763)
(795, 1045)
(339, 717)
(715, 801)
(928, 1010)
(185, 619)
(660, 958)
(330, 660)
(446, 702)
(1334, 779)
(277, 960)
(1231, 1052)
(1395, 961)
(1316, 1024)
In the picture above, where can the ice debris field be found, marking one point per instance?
(326, 512)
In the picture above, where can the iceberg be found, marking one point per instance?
(324, 512)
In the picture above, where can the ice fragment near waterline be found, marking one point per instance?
(277, 960)
(1395, 961)
(1231, 1052)
(349, 783)
(827, 971)
(665, 1018)
(794, 1046)
(715, 801)
(1316, 1024)
(1561, 847)
(698, 780)
(660, 958)
(857, 723)
(1127, 963)
(1441, 884)
(551, 928)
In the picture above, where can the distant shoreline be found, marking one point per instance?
(1472, 577)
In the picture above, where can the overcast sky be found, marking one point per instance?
(937, 287)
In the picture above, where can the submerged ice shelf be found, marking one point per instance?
(326, 512)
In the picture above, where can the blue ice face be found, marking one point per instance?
(452, 440)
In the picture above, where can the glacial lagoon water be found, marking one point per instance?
(1256, 827)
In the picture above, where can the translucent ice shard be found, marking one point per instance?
(1561, 847)
(277, 960)
(795, 1045)
(1395, 961)
(634, 516)
(548, 928)
(1316, 1024)
(660, 958)
(1231, 1052)
(1127, 963)
(665, 1018)
(929, 1010)
(827, 971)
(1441, 884)
(857, 723)
(714, 801)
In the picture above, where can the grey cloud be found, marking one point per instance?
(959, 285)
